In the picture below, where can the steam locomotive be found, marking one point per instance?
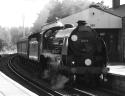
(76, 52)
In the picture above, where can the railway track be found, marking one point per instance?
(68, 91)
(44, 90)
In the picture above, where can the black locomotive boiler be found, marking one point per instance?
(75, 52)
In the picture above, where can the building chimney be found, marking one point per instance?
(115, 3)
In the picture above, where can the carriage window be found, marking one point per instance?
(33, 49)
(48, 33)
(55, 45)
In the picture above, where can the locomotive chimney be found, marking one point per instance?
(80, 22)
(115, 3)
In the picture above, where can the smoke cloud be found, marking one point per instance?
(60, 9)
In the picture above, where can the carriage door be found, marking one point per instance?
(33, 49)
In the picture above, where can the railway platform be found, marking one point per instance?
(9, 87)
(116, 78)
(117, 68)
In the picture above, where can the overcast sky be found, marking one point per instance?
(19, 12)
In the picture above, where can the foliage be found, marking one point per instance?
(9, 37)
(66, 8)
(2, 44)
(18, 33)
(4, 38)
(99, 5)
(41, 20)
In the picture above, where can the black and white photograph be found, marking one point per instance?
(62, 47)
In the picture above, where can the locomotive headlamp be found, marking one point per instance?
(88, 62)
(73, 62)
(74, 37)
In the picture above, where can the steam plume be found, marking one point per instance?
(60, 9)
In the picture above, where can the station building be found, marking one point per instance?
(109, 23)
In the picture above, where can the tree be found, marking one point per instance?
(4, 37)
(2, 44)
(40, 21)
(66, 8)
(99, 5)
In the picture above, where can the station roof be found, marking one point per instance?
(120, 11)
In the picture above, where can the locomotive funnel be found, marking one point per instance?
(80, 22)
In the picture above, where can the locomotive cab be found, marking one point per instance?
(53, 45)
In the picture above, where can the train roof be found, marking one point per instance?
(64, 32)
(34, 35)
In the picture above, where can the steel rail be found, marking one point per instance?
(45, 90)
(88, 93)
